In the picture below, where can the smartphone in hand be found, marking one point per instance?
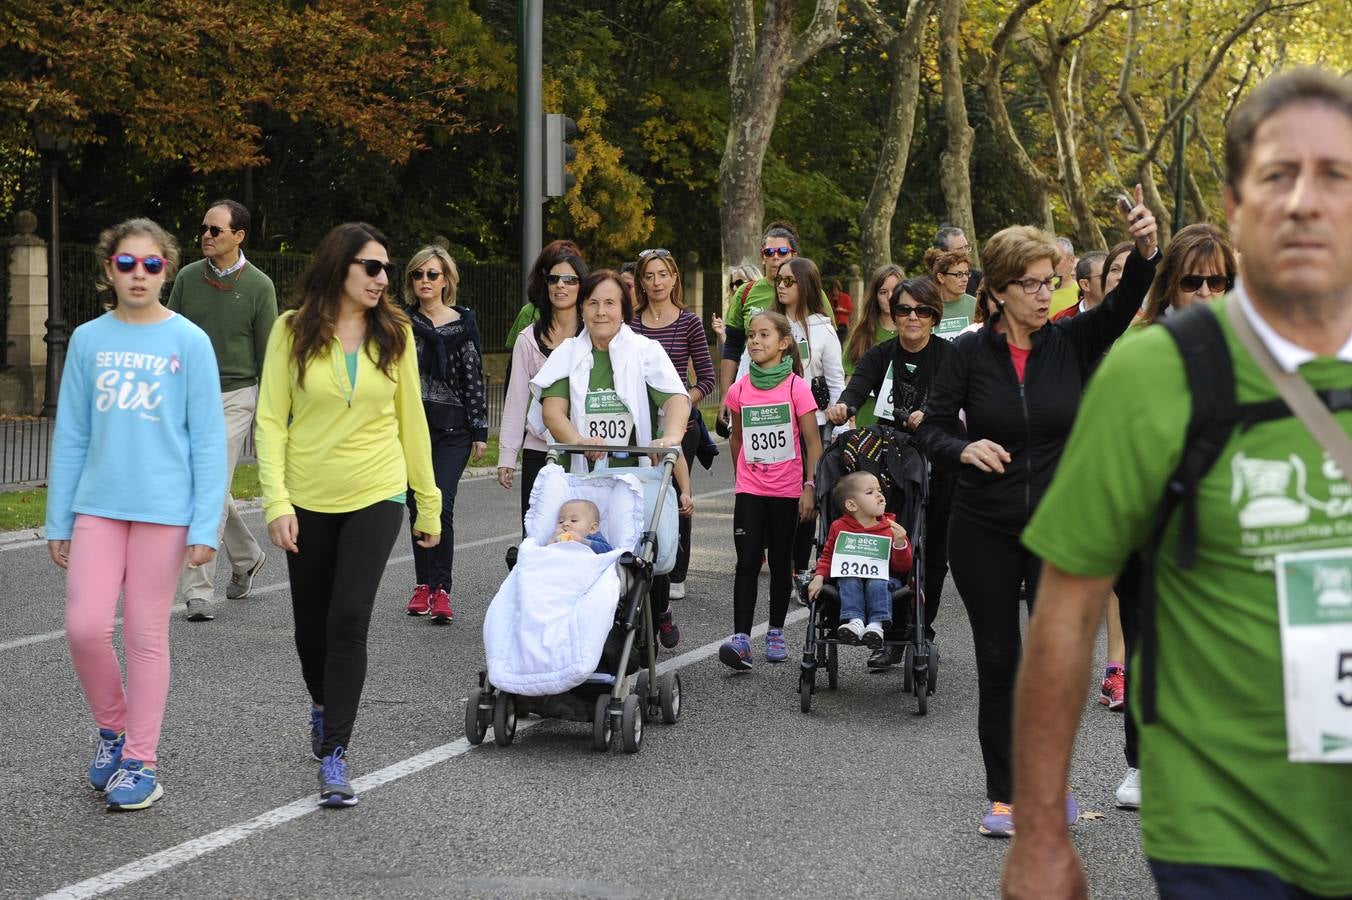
(1124, 204)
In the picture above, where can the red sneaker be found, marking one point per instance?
(421, 600)
(1113, 692)
(441, 607)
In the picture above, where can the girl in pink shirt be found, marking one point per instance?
(775, 447)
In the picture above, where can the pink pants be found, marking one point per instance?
(141, 561)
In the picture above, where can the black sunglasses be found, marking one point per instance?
(125, 262)
(374, 267)
(1191, 284)
(419, 274)
(902, 311)
(566, 279)
(214, 229)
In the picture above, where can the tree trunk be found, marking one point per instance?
(955, 162)
(1086, 229)
(903, 51)
(761, 67)
(1145, 171)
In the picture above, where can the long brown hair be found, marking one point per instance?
(785, 331)
(1191, 246)
(804, 271)
(867, 316)
(641, 293)
(319, 293)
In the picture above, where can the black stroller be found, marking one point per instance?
(903, 471)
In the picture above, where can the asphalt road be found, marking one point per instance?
(745, 796)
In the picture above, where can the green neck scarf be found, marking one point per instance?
(767, 377)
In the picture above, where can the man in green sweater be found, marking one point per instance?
(235, 304)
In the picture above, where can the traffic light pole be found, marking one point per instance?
(530, 130)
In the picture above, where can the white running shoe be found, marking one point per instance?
(851, 631)
(873, 635)
(1129, 791)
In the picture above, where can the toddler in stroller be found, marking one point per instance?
(868, 555)
(573, 621)
(881, 472)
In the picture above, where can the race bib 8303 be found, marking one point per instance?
(608, 418)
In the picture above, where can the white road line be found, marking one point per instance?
(149, 866)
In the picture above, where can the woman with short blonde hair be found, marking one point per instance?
(448, 276)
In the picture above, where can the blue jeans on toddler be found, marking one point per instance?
(869, 599)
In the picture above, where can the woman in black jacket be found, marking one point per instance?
(908, 365)
(1019, 381)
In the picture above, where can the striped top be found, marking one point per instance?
(685, 342)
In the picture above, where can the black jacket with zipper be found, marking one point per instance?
(1031, 420)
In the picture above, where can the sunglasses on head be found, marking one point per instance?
(1191, 284)
(374, 267)
(902, 311)
(419, 275)
(565, 279)
(776, 251)
(214, 229)
(125, 262)
(786, 280)
(658, 252)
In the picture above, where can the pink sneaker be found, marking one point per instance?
(441, 607)
(421, 601)
(1113, 693)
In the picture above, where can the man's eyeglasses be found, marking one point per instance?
(785, 280)
(1191, 284)
(214, 229)
(565, 279)
(374, 267)
(125, 262)
(902, 311)
(658, 252)
(419, 275)
(1031, 286)
(781, 252)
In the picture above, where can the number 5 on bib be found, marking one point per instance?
(1314, 600)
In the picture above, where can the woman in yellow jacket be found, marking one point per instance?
(341, 438)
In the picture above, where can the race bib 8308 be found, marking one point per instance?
(860, 555)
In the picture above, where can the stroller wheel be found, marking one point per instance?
(832, 667)
(669, 695)
(475, 726)
(908, 669)
(806, 685)
(641, 691)
(504, 719)
(922, 698)
(631, 725)
(601, 730)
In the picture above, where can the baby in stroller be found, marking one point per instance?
(868, 555)
(580, 520)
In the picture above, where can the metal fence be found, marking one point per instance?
(492, 290)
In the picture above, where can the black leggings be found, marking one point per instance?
(532, 461)
(334, 579)
(689, 444)
(1128, 590)
(759, 523)
(988, 568)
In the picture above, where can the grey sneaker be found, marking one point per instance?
(199, 610)
(241, 583)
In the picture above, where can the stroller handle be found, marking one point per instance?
(668, 454)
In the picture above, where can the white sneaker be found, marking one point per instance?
(873, 635)
(1129, 791)
(851, 631)
(677, 591)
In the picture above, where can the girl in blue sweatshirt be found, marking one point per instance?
(136, 483)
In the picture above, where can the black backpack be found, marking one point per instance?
(1216, 413)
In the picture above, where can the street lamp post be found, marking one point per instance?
(53, 141)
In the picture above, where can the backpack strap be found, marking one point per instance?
(1211, 384)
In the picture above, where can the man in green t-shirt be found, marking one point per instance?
(1254, 640)
(235, 304)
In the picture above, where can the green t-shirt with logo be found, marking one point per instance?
(957, 316)
(603, 379)
(1217, 787)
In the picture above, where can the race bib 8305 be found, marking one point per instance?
(767, 433)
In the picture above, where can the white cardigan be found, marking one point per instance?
(826, 357)
(638, 363)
